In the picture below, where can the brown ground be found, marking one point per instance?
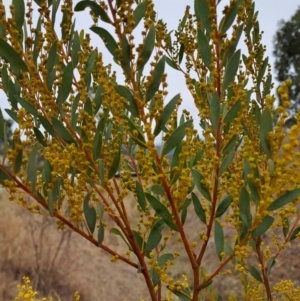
(61, 262)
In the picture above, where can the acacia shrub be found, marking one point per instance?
(88, 126)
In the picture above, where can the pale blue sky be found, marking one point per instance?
(270, 13)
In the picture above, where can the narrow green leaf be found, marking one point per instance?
(140, 194)
(215, 112)
(182, 296)
(181, 53)
(95, 8)
(155, 236)
(147, 49)
(131, 106)
(100, 211)
(5, 143)
(161, 211)
(46, 173)
(4, 176)
(198, 178)
(266, 126)
(140, 241)
(62, 131)
(66, 85)
(166, 114)
(283, 200)
(12, 114)
(198, 208)
(126, 54)
(76, 48)
(228, 250)
(107, 38)
(219, 239)
(98, 98)
(267, 86)
(223, 206)
(182, 23)
(18, 161)
(232, 48)
(156, 79)
(262, 71)
(55, 7)
(253, 189)
(90, 64)
(37, 40)
(89, 213)
(27, 106)
(231, 69)
(101, 171)
(263, 227)
(175, 174)
(157, 189)
(271, 263)
(32, 167)
(245, 213)
(183, 209)
(47, 125)
(51, 203)
(9, 54)
(64, 25)
(139, 12)
(295, 234)
(162, 260)
(230, 16)
(2, 122)
(226, 162)
(203, 45)
(202, 14)
(19, 15)
(176, 137)
(88, 106)
(230, 144)
(285, 226)
(135, 133)
(207, 284)
(171, 63)
(100, 234)
(52, 58)
(57, 189)
(74, 115)
(233, 112)
(198, 157)
(255, 274)
(115, 165)
(119, 233)
(116, 162)
(97, 145)
(5, 78)
(13, 89)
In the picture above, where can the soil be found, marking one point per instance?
(61, 262)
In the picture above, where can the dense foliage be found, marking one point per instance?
(88, 125)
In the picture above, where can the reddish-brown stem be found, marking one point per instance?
(218, 150)
(122, 203)
(263, 269)
(159, 291)
(223, 264)
(65, 220)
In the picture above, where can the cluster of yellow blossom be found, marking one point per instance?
(26, 293)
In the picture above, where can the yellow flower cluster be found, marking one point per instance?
(286, 291)
(26, 293)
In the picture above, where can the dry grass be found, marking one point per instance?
(60, 262)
